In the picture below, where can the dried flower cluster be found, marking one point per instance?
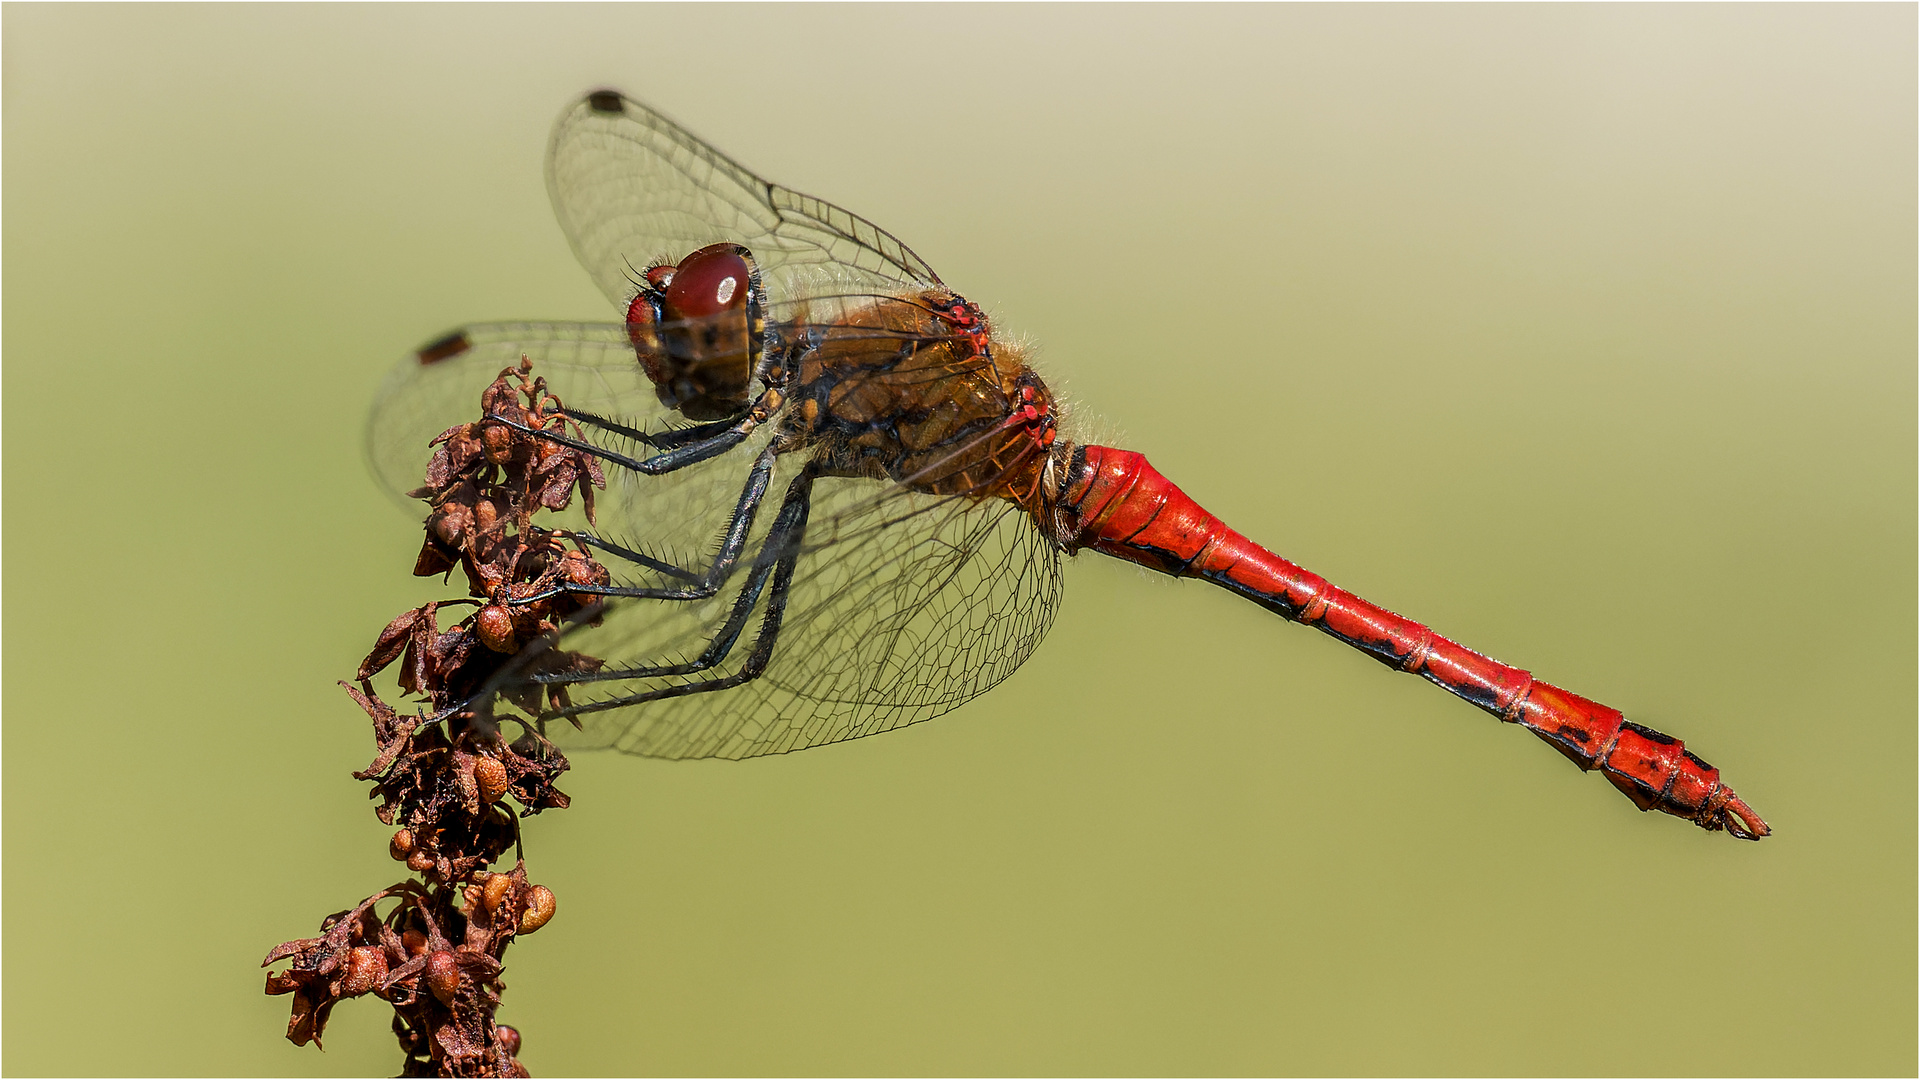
(443, 773)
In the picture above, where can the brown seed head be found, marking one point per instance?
(580, 570)
(449, 524)
(366, 966)
(540, 908)
(494, 891)
(443, 976)
(494, 625)
(401, 845)
(499, 443)
(419, 862)
(415, 941)
(509, 1040)
(492, 775)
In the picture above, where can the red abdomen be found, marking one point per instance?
(1127, 509)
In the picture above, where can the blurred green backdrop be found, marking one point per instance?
(1585, 333)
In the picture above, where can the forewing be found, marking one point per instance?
(632, 188)
(902, 607)
(589, 367)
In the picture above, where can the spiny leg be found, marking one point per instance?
(702, 448)
(700, 586)
(664, 440)
(638, 558)
(778, 558)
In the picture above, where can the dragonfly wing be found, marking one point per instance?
(633, 189)
(590, 367)
(901, 608)
(439, 385)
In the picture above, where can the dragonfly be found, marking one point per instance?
(838, 502)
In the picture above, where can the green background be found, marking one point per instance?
(1585, 333)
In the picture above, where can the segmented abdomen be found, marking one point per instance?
(1127, 509)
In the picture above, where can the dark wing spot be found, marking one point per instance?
(606, 101)
(445, 348)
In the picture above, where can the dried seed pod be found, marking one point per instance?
(580, 570)
(449, 524)
(509, 1039)
(494, 891)
(419, 862)
(492, 776)
(415, 942)
(443, 976)
(366, 966)
(401, 845)
(494, 625)
(499, 443)
(540, 906)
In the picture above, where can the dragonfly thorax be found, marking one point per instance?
(913, 390)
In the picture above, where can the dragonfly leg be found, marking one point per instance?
(662, 440)
(701, 447)
(638, 558)
(699, 586)
(772, 574)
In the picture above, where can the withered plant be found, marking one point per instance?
(431, 946)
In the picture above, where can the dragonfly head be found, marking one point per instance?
(697, 327)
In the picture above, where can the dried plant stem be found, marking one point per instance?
(445, 773)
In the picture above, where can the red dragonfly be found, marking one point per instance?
(913, 559)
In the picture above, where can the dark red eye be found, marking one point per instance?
(707, 282)
(659, 276)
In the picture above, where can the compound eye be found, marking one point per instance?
(642, 311)
(708, 282)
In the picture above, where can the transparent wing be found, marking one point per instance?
(439, 385)
(589, 367)
(632, 188)
(902, 607)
